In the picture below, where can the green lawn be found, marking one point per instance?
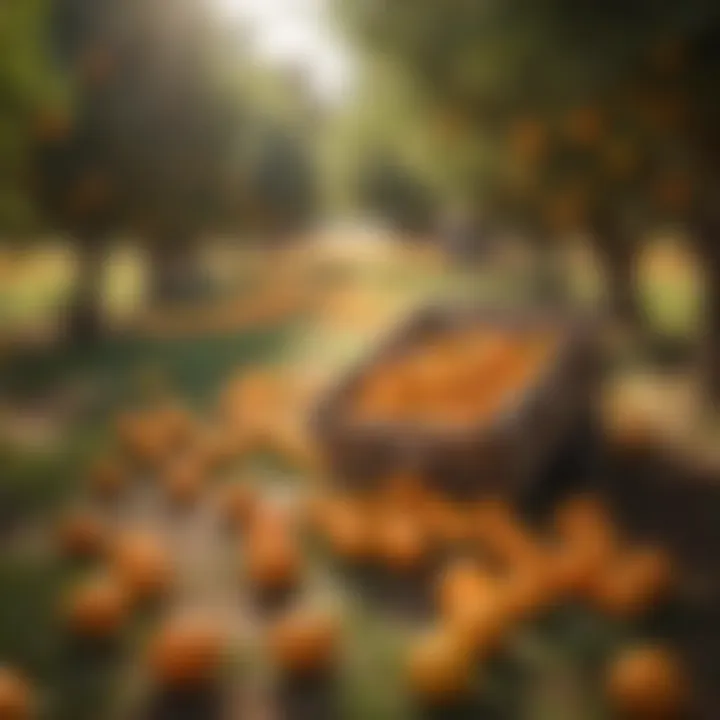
(123, 371)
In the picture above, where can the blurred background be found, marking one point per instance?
(199, 190)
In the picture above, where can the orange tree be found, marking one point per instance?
(598, 117)
(145, 144)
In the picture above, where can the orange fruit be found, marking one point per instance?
(648, 682)
(98, 608)
(82, 534)
(439, 667)
(461, 583)
(141, 438)
(16, 701)
(238, 503)
(574, 568)
(584, 519)
(404, 492)
(188, 651)
(184, 481)
(348, 530)
(174, 424)
(633, 583)
(143, 565)
(480, 625)
(304, 640)
(272, 562)
(400, 542)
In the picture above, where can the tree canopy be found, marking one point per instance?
(564, 104)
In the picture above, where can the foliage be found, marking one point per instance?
(146, 143)
(27, 79)
(579, 106)
(393, 192)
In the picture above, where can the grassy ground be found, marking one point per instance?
(337, 309)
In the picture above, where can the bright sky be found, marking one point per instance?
(298, 32)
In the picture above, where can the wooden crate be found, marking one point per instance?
(504, 456)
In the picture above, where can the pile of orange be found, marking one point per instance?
(459, 378)
(499, 572)
(495, 571)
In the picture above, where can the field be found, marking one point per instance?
(306, 311)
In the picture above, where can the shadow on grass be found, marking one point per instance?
(195, 367)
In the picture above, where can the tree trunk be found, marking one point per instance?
(623, 296)
(551, 286)
(175, 271)
(712, 329)
(617, 251)
(546, 282)
(707, 237)
(84, 320)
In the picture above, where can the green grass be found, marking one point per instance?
(194, 366)
(32, 486)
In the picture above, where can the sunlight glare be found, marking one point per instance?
(298, 32)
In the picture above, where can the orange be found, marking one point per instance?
(633, 583)
(439, 667)
(187, 651)
(16, 701)
(143, 565)
(647, 682)
(272, 562)
(238, 503)
(98, 608)
(303, 640)
(82, 534)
